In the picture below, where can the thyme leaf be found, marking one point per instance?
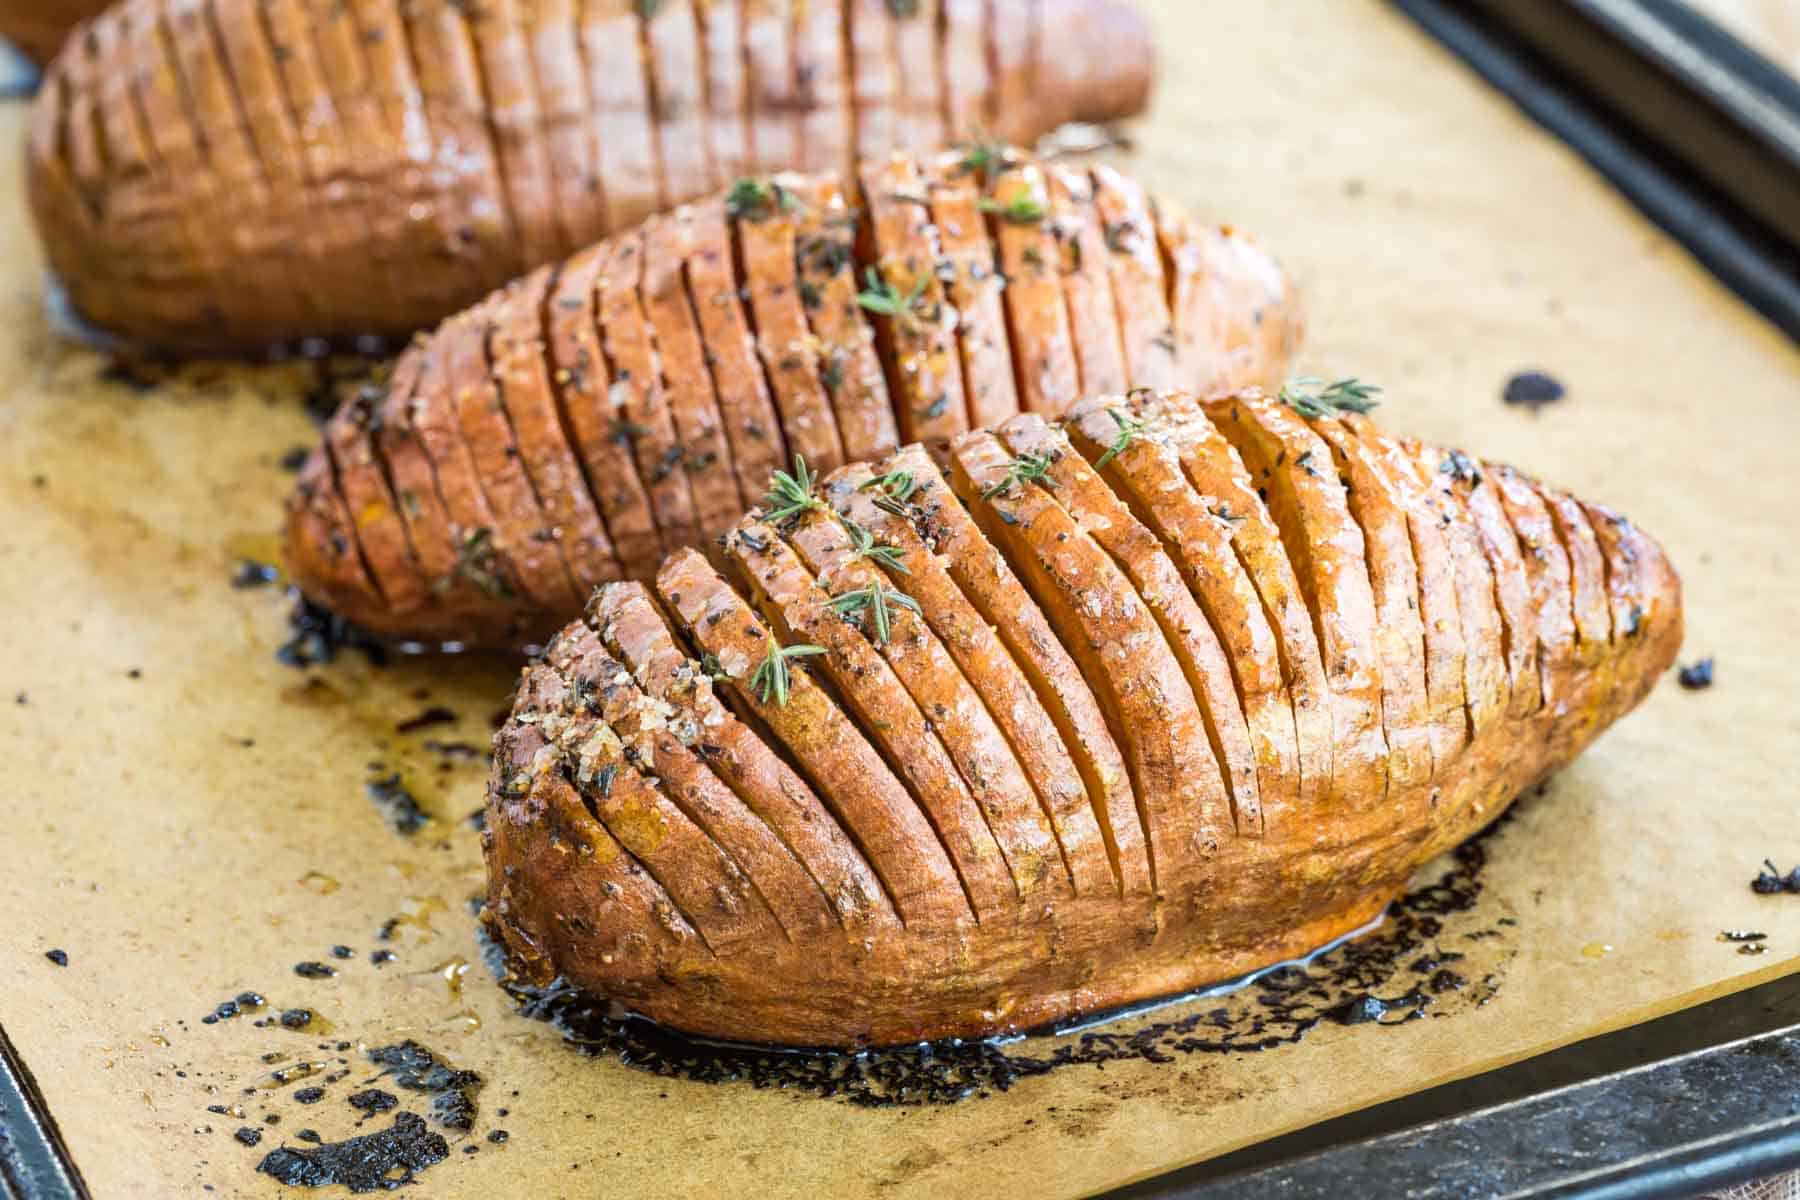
(790, 495)
(1130, 428)
(884, 298)
(757, 198)
(1316, 399)
(863, 545)
(1027, 468)
(874, 600)
(774, 679)
(1023, 209)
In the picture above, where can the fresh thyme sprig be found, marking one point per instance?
(884, 298)
(875, 600)
(863, 545)
(757, 198)
(1027, 468)
(1316, 399)
(893, 491)
(1023, 209)
(774, 679)
(1130, 429)
(790, 495)
(984, 155)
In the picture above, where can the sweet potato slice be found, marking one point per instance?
(600, 436)
(643, 726)
(374, 514)
(791, 600)
(1547, 572)
(874, 77)
(621, 918)
(1147, 477)
(1375, 504)
(321, 540)
(1587, 576)
(1183, 802)
(975, 287)
(619, 91)
(873, 806)
(917, 55)
(687, 381)
(1087, 287)
(906, 301)
(485, 581)
(1038, 320)
(637, 394)
(1135, 551)
(1237, 320)
(509, 90)
(822, 88)
(636, 632)
(1134, 263)
(678, 100)
(713, 891)
(443, 53)
(1215, 471)
(1486, 687)
(521, 528)
(433, 534)
(767, 241)
(515, 352)
(966, 79)
(1012, 51)
(1434, 563)
(1512, 588)
(1293, 472)
(849, 366)
(988, 581)
(727, 88)
(1632, 588)
(769, 58)
(949, 702)
(751, 428)
(864, 498)
(554, 37)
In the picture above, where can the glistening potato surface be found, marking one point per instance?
(657, 761)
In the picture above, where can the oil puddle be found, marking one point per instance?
(1435, 952)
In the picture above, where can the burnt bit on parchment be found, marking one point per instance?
(316, 636)
(374, 1162)
(416, 1069)
(396, 803)
(1436, 953)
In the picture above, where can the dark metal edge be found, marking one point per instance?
(1749, 257)
(34, 1162)
(1702, 1098)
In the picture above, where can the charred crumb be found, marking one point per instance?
(135, 673)
(1532, 390)
(59, 957)
(140, 375)
(22, 699)
(456, 751)
(374, 1162)
(342, 952)
(318, 635)
(252, 574)
(416, 1069)
(307, 1135)
(293, 459)
(225, 1010)
(1742, 935)
(381, 958)
(397, 804)
(371, 1101)
(314, 970)
(1771, 882)
(309, 1095)
(1360, 982)
(1753, 948)
(437, 714)
(1696, 676)
(248, 1135)
(296, 1018)
(498, 1136)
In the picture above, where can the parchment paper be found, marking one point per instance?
(194, 830)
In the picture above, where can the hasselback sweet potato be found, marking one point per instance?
(233, 175)
(635, 399)
(39, 27)
(800, 641)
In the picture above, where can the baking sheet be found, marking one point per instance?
(186, 817)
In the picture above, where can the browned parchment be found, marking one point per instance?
(1445, 243)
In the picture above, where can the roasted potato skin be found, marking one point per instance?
(1226, 898)
(232, 176)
